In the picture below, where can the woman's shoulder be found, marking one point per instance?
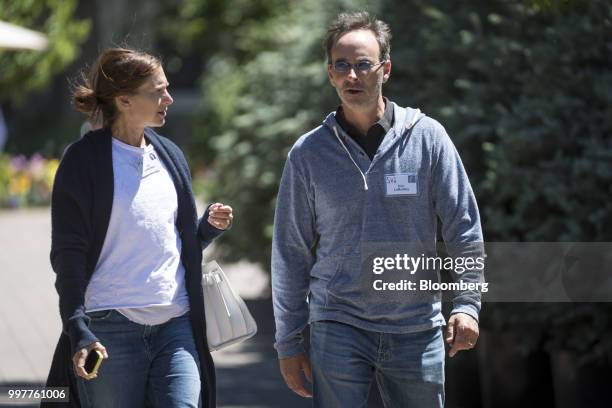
(80, 157)
(85, 145)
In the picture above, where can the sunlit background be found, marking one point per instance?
(524, 88)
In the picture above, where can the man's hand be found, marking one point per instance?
(461, 333)
(291, 369)
(220, 216)
(78, 360)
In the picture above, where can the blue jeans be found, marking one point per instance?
(408, 368)
(147, 365)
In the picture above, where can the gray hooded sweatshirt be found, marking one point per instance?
(336, 207)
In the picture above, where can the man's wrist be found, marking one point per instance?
(289, 350)
(467, 309)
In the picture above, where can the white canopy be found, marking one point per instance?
(13, 37)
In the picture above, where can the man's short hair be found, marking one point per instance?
(360, 20)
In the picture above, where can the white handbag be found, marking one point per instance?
(228, 320)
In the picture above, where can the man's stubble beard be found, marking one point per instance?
(364, 104)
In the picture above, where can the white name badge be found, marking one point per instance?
(401, 184)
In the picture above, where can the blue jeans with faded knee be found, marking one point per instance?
(155, 366)
(408, 368)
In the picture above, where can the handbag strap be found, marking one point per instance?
(214, 278)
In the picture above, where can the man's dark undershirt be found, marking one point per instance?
(372, 140)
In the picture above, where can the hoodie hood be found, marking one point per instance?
(405, 119)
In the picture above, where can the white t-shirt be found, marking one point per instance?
(140, 272)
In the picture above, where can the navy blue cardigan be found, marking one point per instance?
(81, 205)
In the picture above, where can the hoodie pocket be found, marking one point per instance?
(325, 270)
(385, 298)
(351, 287)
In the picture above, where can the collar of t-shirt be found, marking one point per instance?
(372, 140)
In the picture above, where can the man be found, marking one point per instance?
(372, 173)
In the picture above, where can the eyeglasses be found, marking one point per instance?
(361, 67)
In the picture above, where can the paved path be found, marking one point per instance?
(29, 314)
(29, 321)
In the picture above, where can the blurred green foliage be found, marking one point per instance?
(23, 71)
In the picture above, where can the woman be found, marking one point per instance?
(126, 248)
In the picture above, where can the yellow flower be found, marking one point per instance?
(50, 171)
(19, 184)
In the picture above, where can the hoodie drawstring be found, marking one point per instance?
(410, 122)
(414, 119)
(365, 182)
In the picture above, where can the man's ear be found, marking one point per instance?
(386, 70)
(329, 75)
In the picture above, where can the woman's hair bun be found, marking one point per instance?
(84, 100)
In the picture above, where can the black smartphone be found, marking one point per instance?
(93, 361)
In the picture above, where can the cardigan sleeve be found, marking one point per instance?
(71, 232)
(207, 232)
